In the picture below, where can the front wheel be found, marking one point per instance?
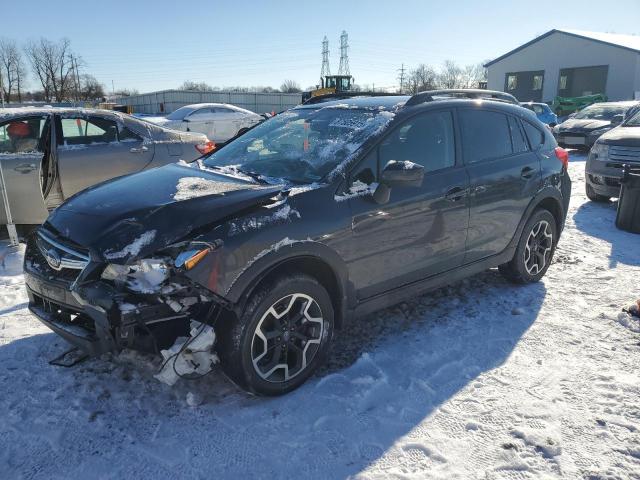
(535, 249)
(283, 335)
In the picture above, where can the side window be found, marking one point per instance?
(81, 131)
(201, 113)
(535, 136)
(126, 135)
(427, 140)
(517, 137)
(485, 135)
(22, 135)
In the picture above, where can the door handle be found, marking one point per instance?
(25, 167)
(138, 150)
(527, 172)
(456, 193)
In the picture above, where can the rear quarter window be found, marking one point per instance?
(534, 135)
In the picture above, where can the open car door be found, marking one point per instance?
(25, 146)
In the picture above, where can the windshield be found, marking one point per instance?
(599, 112)
(303, 145)
(180, 113)
(633, 121)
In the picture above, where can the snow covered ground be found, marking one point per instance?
(479, 380)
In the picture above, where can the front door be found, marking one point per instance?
(92, 149)
(24, 143)
(505, 176)
(225, 123)
(422, 230)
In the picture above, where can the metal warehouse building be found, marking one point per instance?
(167, 101)
(569, 63)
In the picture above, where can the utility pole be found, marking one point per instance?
(1, 91)
(401, 78)
(113, 91)
(76, 78)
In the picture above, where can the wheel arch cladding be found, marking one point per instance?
(330, 273)
(554, 206)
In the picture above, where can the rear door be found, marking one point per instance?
(422, 230)
(94, 148)
(504, 176)
(201, 121)
(24, 143)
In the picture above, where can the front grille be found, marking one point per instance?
(612, 182)
(53, 259)
(624, 154)
(63, 314)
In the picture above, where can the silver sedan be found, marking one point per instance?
(49, 154)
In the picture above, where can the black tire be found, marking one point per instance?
(521, 268)
(593, 196)
(240, 344)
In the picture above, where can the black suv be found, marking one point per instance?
(324, 212)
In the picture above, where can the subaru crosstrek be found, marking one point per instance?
(322, 213)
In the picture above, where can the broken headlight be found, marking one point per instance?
(144, 276)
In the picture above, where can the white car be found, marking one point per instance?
(218, 121)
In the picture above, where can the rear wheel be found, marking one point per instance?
(283, 335)
(535, 249)
(593, 196)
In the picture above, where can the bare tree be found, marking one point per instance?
(12, 69)
(450, 75)
(91, 88)
(421, 78)
(52, 63)
(290, 86)
(197, 86)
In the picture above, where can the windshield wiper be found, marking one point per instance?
(229, 170)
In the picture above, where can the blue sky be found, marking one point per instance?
(152, 45)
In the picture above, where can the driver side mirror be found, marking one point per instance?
(402, 174)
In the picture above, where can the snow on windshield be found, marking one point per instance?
(304, 145)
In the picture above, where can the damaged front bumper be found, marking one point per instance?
(99, 316)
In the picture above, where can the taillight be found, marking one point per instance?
(206, 147)
(563, 156)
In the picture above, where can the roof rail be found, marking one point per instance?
(431, 95)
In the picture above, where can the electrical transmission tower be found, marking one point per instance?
(326, 69)
(343, 69)
(401, 78)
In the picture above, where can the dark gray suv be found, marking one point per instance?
(276, 240)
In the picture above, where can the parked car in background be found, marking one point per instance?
(543, 112)
(317, 215)
(48, 154)
(563, 106)
(218, 121)
(582, 129)
(611, 151)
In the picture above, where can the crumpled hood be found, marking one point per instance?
(582, 125)
(136, 215)
(624, 136)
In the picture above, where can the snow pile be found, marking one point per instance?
(193, 187)
(134, 248)
(189, 356)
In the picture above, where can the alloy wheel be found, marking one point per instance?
(537, 252)
(287, 338)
